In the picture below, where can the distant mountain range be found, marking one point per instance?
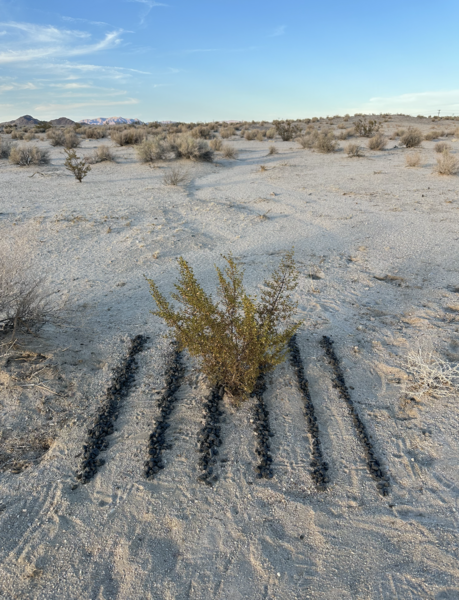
(28, 121)
(110, 121)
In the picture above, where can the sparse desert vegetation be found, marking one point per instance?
(447, 163)
(25, 156)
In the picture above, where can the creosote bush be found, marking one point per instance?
(227, 132)
(79, 167)
(185, 146)
(154, 149)
(271, 133)
(366, 128)
(238, 337)
(412, 138)
(447, 164)
(377, 142)
(413, 160)
(28, 155)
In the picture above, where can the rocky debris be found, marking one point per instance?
(262, 431)
(209, 439)
(318, 465)
(157, 439)
(123, 378)
(374, 466)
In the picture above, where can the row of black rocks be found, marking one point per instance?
(123, 378)
(374, 466)
(318, 465)
(262, 431)
(157, 440)
(209, 438)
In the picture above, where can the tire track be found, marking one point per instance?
(262, 431)
(209, 437)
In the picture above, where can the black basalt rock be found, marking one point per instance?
(373, 465)
(209, 437)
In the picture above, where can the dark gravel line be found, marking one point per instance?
(374, 466)
(157, 440)
(318, 465)
(123, 378)
(262, 431)
(209, 438)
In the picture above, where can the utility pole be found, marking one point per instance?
(438, 113)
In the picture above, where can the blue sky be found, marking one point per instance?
(200, 60)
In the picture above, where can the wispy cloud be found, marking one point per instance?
(278, 31)
(148, 5)
(415, 103)
(37, 42)
(197, 50)
(80, 20)
(8, 87)
(63, 107)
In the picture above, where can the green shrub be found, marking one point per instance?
(237, 338)
(28, 155)
(79, 167)
(412, 138)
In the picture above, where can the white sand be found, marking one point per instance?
(122, 537)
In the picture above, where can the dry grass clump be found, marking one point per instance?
(366, 128)
(128, 137)
(175, 176)
(236, 338)
(260, 136)
(227, 132)
(442, 146)
(309, 139)
(17, 135)
(229, 152)
(185, 146)
(101, 154)
(271, 133)
(345, 134)
(24, 299)
(354, 150)
(434, 134)
(429, 375)
(272, 150)
(28, 155)
(216, 144)
(94, 133)
(201, 131)
(154, 149)
(67, 138)
(447, 164)
(287, 129)
(5, 148)
(325, 142)
(413, 160)
(28, 137)
(251, 135)
(377, 142)
(412, 138)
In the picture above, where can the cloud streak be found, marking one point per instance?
(64, 107)
(415, 103)
(278, 31)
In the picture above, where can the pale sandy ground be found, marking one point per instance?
(122, 537)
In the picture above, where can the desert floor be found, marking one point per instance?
(376, 244)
